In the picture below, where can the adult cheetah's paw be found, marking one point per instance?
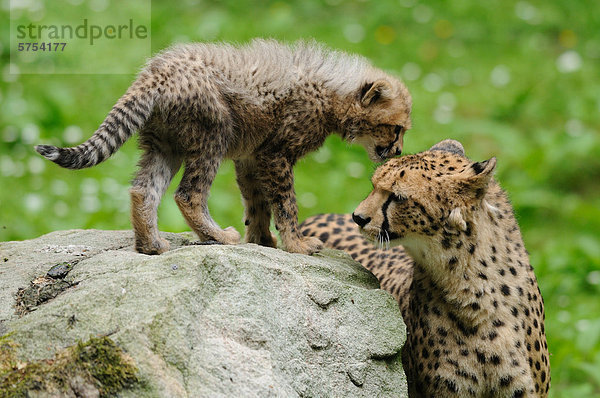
(304, 245)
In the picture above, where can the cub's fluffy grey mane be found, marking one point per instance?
(269, 60)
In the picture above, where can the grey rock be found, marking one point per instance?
(211, 320)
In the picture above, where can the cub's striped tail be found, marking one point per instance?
(128, 115)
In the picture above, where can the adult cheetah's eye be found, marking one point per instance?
(398, 129)
(399, 198)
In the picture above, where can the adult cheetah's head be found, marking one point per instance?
(421, 197)
(378, 117)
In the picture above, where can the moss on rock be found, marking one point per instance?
(95, 368)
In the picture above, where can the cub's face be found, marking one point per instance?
(379, 118)
(421, 196)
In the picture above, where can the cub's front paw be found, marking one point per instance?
(304, 245)
(157, 246)
(268, 239)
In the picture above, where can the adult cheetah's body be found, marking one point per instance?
(470, 299)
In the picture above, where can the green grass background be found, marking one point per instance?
(519, 80)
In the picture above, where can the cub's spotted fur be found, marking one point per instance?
(264, 105)
(467, 292)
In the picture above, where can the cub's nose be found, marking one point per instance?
(360, 220)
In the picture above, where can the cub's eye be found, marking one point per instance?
(398, 129)
(399, 198)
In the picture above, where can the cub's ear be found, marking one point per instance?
(376, 91)
(476, 178)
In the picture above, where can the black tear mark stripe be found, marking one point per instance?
(387, 149)
(386, 224)
(397, 131)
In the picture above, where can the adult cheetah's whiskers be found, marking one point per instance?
(381, 239)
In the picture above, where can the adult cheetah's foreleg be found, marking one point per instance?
(277, 181)
(257, 212)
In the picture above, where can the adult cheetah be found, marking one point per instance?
(468, 295)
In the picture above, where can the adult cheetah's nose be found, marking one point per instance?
(360, 220)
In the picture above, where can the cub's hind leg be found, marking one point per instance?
(201, 166)
(257, 212)
(157, 168)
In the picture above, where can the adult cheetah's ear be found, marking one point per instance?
(376, 91)
(484, 171)
(475, 179)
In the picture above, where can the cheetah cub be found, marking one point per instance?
(264, 105)
(468, 295)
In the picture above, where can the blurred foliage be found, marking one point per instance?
(518, 80)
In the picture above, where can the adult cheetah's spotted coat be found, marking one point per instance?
(469, 298)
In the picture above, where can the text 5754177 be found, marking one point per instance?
(43, 46)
